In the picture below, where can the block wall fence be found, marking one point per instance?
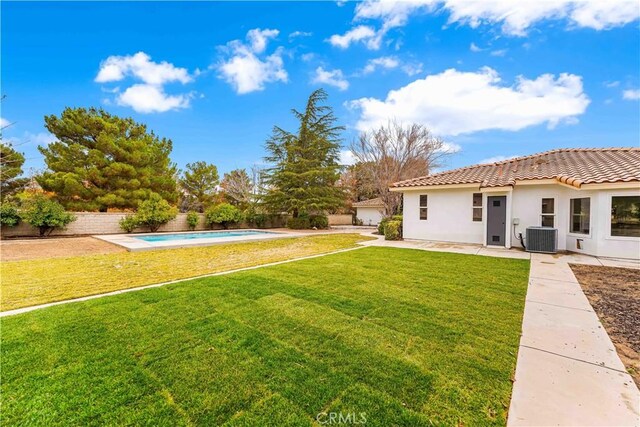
(89, 223)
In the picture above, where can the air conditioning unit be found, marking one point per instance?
(542, 239)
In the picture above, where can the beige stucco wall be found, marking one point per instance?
(345, 219)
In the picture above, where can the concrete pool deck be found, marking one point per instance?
(132, 243)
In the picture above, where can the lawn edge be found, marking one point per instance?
(27, 309)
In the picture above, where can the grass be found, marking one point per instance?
(404, 337)
(33, 282)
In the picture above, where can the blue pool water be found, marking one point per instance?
(202, 235)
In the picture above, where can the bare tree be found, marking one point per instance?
(396, 152)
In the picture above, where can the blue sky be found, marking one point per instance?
(494, 80)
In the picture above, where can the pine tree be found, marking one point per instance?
(305, 164)
(200, 183)
(101, 161)
(11, 162)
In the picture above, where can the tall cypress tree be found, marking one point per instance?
(305, 164)
(100, 161)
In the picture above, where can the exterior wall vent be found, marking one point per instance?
(542, 239)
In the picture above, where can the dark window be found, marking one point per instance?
(625, 216)
(496, 203)
(580, 215)
(477, 206)
(495, 238)
(548, 213)
(423, 206)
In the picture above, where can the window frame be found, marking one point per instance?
(610, 236)
(425, 207)
(571, 215)
(552, 215)
(473, 207)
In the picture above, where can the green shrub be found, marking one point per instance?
(154, 212)
(381, 225)
(45, 214)
(320, 222)
(129, 223)
(302, 222)
(224, 214)
(192, 220)
(9, 216)
(393, 230)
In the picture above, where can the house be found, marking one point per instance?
(370, 212)
(591, 196)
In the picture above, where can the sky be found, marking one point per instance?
(493, 79)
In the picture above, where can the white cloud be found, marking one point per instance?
(4, 122)
(140, 66)
(387, 62)
(259, 38)
(145, 98)
(455, 102)
(296, 34)
(361, 33)
(330, 77)
(495, 159)
(450, 147)
(148, 96)
(475, 48)
(347, 158)
(412, 69)
(514, 17)
(631, 94)
(306, 57)
(614, 83)
(245, 70)
(499, 52)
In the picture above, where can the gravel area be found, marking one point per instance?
(58, 247)
(614, 294)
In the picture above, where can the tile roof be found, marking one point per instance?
(571, 166)
(371, 203)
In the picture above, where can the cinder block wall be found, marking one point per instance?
(343, 219)
(89, 223)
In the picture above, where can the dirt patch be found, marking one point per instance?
(614, 294)
(24, 249)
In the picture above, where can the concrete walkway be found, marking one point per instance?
(568, 372)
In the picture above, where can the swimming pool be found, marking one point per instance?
(201, 235)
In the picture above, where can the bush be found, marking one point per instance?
(192, 220)
(383, 222)
(301, 222)
(319, 221)
(45, 214)
(129, 223)
(9, 215)
(224, 214)
(154, 212)
(393, 230)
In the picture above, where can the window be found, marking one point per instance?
(477, 206)
(580, 215)
(548, 213)
(423, 207)
(625, 216)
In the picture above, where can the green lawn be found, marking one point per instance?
(33, 282)
(406, 337)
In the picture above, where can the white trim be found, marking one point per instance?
(611, 186)
(434, 187)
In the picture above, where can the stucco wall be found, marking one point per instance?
(449, 219)
(369, 216)
(340, 219)
(88, 223)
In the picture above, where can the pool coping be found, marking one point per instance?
(132, 244)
